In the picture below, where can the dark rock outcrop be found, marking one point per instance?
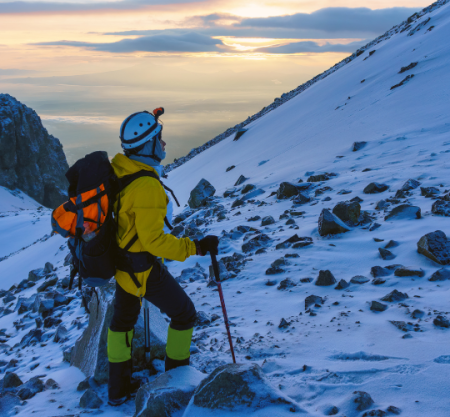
(404, 211)
(348, 212)
(200, 194)
(374, 188)
(435, 246)
(31, 159)
(329, 224)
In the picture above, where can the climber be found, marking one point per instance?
(144, 214)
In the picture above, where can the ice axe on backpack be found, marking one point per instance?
(215, 266)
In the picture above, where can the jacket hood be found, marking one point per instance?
(125, 166)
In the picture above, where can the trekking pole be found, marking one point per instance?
(147, 330)
(215, 266)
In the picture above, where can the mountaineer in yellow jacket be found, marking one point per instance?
(143, 230)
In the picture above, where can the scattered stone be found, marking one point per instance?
(197, 273)
(429, 192)
(410, 185)
(202, 191)
(375, 188)
(240, 386)
(435, 246)
(357, 146)
(382, 204)
(203, 319)
(283, 324)
(261, 240)
(387, 255)
(36, 274)
(271, 282)
(359, 279)
(440, 275)
(254, 219)
(229, 192)
(247, 188)
(268, 220)
(441, 208)
(357, 199)
(405, 80)
(31, 388)
(376, 306)
(343, 192)
(325, 278)
(50, 282)
(342, 285)
(409, 271)
(391, 244)
(401, 325)
(417, 314)
(60, 334)
(374, 226)
(301, 198)
(331, 411)
(306, 280)
(274, 270)
(285, 284)
(230, 168)
(303, 241)
(441, 321)
(312, 300)
(169, 393)
(11, 380)
(90, 400)
(51, 384)
(348, 212)
(8, 298)
(394, 410)
(240, 180)
(378, 281)
(48, 268)
(404, 211)
(363, 399)
(8, 403)
(395, 296)
(375, 413)
(378, 271)
(329, 224)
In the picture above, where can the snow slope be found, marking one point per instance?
(319, 360)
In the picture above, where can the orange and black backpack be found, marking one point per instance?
(87, 219)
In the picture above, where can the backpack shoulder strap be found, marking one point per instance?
(128, 179)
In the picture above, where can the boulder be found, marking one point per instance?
(313, 300)
(305, 241)
(440, 275)
(60, 334)
(429, 192)
(376, 306)
(325, 278)
(363, 400)
(442, 321)
(197, 273)
(266, 221)
(259, 241)
(200, 194)
(169, 393)
(36, 274)
(382, 204)
(287, 190)
(409, 271)
(410, 185)
(90, 400)
(247, 188)
(359, 279)
(31, 388)
(11, 380)
(441, 208)
(435, 246)
(49, 282)
(238, 389)
(348, 212)
(395, 296)
(358, 145)
(301, 198)
(48, 268)
(342, 285)
(31, 159)
(404, 211)
(375, 188)
(391, 244)
(240, 180)
(285, 284)
(283, 324)
(8, 402)
(329, 224)
(386, 254)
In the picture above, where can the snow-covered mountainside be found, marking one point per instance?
(333, 301)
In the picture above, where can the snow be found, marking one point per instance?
(320, 360)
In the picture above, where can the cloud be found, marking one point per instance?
(38, 6)
(313, 47)
(335, 19)
(188, 42)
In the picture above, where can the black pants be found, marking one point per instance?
(167, 295)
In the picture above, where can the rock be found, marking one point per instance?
(67, 354)
(8, 403)
(274, 270)
(325, 278)
(266, 221)
(343, 192)
(409, 271)
(182, 216)
(382, 204)
(8, 298)
(238, 387)
(32, 160)
(410, 185)
(203, 319)
(240, 180)
(89, 353)
(230, 168)
(197, 273)
(363, 399)
(51, 384)
(359, 279)
(331, 411)
(378, 281)
(358, 146)
(229, 192)
(306, 280)
(417, 314)
(395, 296)
(375, 413)
(441, 208)
(45, 306)
(169, 393)
(84, 384)
(401, 325)
(11, 380)
(48, 268)
(31, 388)
(313, 300)
(387, 255)
(247, 188)
(51, 322)
(374, 188)
(441, 321)
(237, 203)
(322, 190)
(286, 283)
(60, 334)
(50, 282)
(404, 211)
(200, 194)
(261, 240)
(90, 400)
(376, 306)
(429, 192)
(254, 219)
(253, 194)
(283, 324)
(394, 410)
(270, 282)
(301, 198)
(342, 285)
(305, 241)
(435, 246)
(289, 222)
(374, 226)
(329, 224)
(391, 244)
(286, 190)
(440, 275)
(378, 271)
(36, 274)
(348, 212)
(31, 338)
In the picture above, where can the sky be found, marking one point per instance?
(84, 66)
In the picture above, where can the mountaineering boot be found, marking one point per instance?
(178, 348)
(120, 366)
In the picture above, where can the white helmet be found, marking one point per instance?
(139, 128)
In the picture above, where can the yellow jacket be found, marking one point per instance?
(143, 206)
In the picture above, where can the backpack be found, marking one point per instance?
(87, 219)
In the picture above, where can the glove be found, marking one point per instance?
(207, 244)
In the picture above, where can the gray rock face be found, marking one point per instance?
(90, 400)
(374, 188)
(329, 224)
(348, 211)
(325, 278)
(235, 386)
(404, 211)
(435, 246)
(169, 393)
(441, 208)
(200, 193)
(30, 159)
